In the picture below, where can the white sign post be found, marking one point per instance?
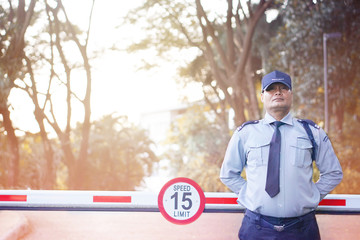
(181, 201)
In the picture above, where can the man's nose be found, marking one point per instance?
(278, 90)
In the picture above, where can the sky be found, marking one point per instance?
(117, 85)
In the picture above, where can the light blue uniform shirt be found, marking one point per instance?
(249, 149)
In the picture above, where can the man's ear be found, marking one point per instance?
(262, 97)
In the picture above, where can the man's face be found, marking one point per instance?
(277, 98)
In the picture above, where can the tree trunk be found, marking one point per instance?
(69, 160)
(49, 172)
(13, 149)
(239, 117)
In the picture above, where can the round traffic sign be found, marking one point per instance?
(181, 201)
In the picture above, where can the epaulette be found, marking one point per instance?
(310, 122)
(306, 123)
(247, 123)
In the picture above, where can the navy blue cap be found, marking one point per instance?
(275, 77)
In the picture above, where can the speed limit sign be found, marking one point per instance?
(181, 201)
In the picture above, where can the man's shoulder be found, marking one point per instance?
(308, 122)
(247, 123)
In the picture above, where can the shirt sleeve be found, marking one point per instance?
(233, 164)
(328, 164)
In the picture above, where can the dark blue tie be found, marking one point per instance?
(273, 172)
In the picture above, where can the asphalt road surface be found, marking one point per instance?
(74, 225)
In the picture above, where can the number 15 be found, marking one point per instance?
(185, 198)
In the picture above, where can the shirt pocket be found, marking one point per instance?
(303, 150)
(258, 154)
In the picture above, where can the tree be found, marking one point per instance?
(14, 24)
(34, 162)
(25, 70)
(221, 38)
(62, 35)
(121, 155)
(298, 49)
(76, 166)
(196, 146)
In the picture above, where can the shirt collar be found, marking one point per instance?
(288, 119)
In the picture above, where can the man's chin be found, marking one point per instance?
(280, 108)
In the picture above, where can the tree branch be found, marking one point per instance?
(230, 35)
(210, 29)
(249, 34)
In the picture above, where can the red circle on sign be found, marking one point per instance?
(194, 185)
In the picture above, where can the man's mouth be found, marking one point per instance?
(278, 99)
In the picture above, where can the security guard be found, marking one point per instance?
(277, 153)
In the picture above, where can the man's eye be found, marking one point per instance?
(270, 88)
(277, 88)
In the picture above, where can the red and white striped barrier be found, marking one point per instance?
(140, 201)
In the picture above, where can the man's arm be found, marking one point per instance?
(233, 164)
(328, 164)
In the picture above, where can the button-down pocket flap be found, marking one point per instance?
(303, 143)
(258, 153)
(303, 152)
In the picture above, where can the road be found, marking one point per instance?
(75, 225)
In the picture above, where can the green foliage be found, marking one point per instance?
(348, 152)
(3, 157)
(350, 183)
(197, 143)
(120, 155)
(32, 162)
(161, 25)
(219, 38)
(298, 49)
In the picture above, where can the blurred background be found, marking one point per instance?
(125, 95)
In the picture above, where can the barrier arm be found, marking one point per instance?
(59, 200)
